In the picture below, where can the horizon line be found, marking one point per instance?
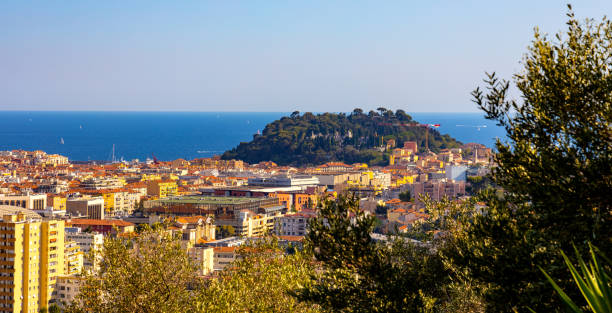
(205, 111)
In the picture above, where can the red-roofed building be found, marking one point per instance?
(102, 226)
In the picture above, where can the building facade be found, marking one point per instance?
(32, 257)
(93, 208)
(32, 202)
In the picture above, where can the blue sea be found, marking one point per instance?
(84, 135)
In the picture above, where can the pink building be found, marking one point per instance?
(437, 190)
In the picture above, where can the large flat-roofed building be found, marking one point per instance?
(289, 197)
(32, 257)
(284, 181)
(201, 205)
(32, 202)
(93, 208)
(98, 183)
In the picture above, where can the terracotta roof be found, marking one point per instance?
(190, 219)
(292, 238)
(84, 221)
(225, 249)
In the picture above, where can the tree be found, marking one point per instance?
(555, 168)
(54, 309)
(225, 231)
(150, 273)
(405, 196)
(262, 281)
(381, 209)
(316, 139)
(360, 275)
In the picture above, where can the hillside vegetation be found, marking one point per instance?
(305, 139)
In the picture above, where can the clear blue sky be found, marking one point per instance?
(420, 56)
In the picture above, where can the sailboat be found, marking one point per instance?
(61, 140)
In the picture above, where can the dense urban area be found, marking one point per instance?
(214, 206)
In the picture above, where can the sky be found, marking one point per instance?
(277, 56)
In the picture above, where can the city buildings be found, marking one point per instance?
(198, 201)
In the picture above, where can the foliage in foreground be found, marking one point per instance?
(360, 275)
(260, 282)
(149, 273)
(593, 280)
(555, 169)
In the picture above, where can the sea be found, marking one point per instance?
(102, 136)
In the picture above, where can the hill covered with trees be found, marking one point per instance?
(304, 139)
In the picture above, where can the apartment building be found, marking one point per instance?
(32, 202)
(162, 188)
(247, 223)
(57, 202)
(294, 224)
(32, 257)
(223, 256)
(87, 241)
(73, 258)
(203, 257)
(67, 289)
(296, 200)
(120, 201)
(437, 190)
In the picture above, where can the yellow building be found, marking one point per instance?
(32, 256)
(109, 201)
(57, 202)
(162, 188)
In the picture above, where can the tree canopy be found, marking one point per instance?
(261, 281)
(148, 273)
(555, 170)
(354, 138)
(360, 275)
